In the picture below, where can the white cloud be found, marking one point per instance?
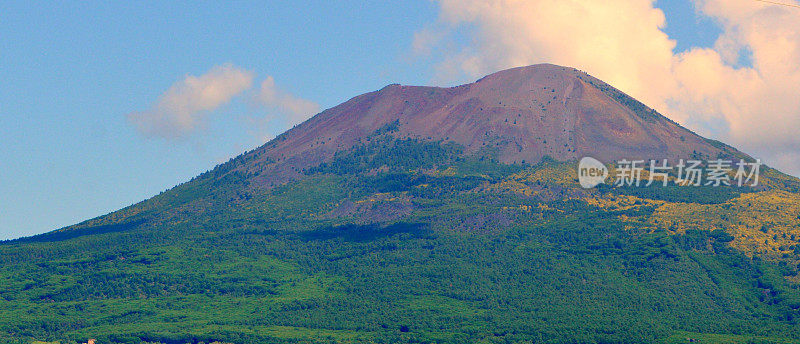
(184, 106)
(756, 108)
(291, 108)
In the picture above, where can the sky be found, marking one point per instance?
(104, 104)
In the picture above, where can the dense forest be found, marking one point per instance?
(410, 241)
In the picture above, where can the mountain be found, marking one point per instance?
(524, 114)
(430, 215)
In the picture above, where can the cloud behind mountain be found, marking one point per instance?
(741, 90)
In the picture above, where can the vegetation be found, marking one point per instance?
(408, 241)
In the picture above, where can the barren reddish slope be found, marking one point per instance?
(526, 113)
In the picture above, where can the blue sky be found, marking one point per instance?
(71, 72)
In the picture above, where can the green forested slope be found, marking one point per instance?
(402, 240)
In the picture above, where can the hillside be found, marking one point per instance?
(420, 215)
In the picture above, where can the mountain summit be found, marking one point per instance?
(523, 114)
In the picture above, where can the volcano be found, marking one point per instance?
(430, 215)
(524, 114)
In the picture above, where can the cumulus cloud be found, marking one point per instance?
(760, 103)
(291, 108)
(754, 107)
(185, 105)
